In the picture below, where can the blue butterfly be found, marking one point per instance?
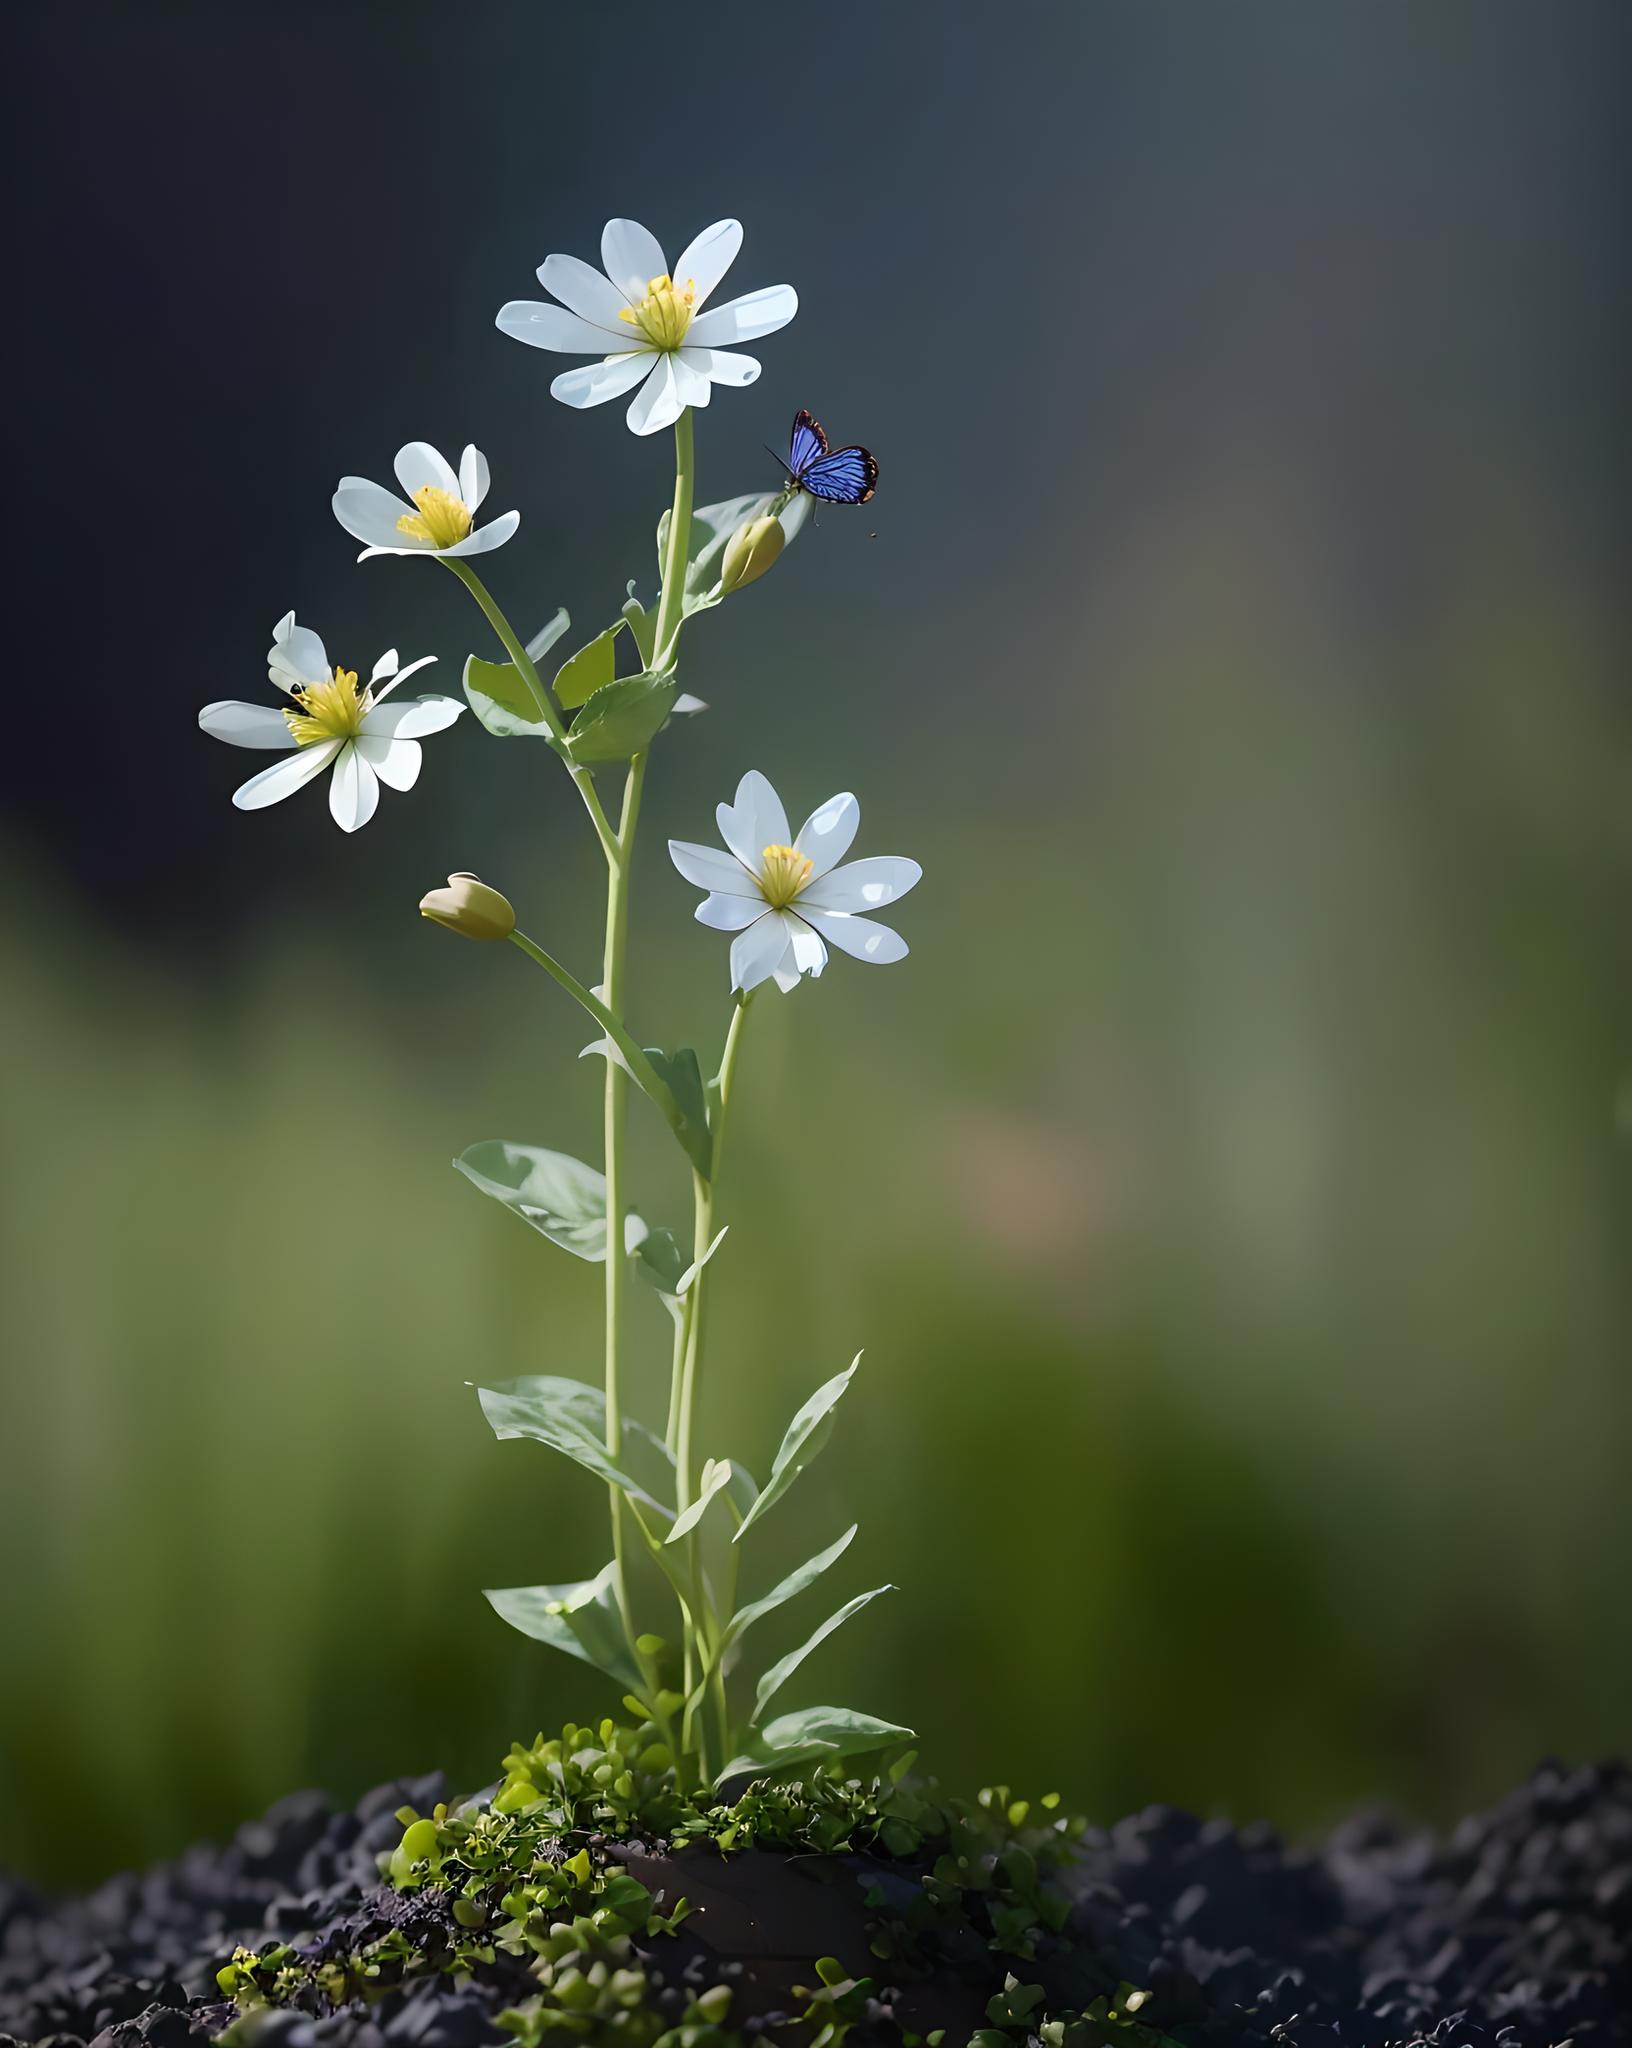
(847, 476)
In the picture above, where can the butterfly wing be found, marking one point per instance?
(806, 445)
(849, 476)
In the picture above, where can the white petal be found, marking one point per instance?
(473, 477)
(250, 725)
(720, 366)
(756, 820)
(369, 513)
(385, 666)
(296, 654)
(398, 675)
(595, 383)
(411, 718)
(657, 404)
(809, 955)
(863, 884)
(745, 319)
(857, 936)
(707, 257)
(729, 913)
(582, 288)
(418, 464)
(283, 778)
(395, 762)
(706, 867)
(756, 952)
(544, 326)
(632, 257)
(354, 791)
(826, 834)
(690, 380)
(485, 538)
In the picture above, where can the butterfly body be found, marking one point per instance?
(838, 476)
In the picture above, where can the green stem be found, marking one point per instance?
(671, 605)
(528, 671)
(702, 1237)
(617, 933)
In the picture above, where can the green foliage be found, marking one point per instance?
(578, 678)
(806, 1434)
(503, 700)
(532, 1875)
(623, 717)
(558, 1195)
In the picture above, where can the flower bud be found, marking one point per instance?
(470, 907)
(750, 552)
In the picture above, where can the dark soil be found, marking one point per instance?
(1518, 1931)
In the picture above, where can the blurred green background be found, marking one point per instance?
(1230, 1191)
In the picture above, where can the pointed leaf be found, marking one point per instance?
(643, 625)
(547, 635)
(795, 1583)
(622, 717)
(661, 1262)
(716, 1477)
(807, 1433)
(560, 1196)
(778, 1675)
(577, 680)
(580, 1618)
(501, 699)
(697, 1265)
(566, 1415)
(828, 1733)
(672, 1080)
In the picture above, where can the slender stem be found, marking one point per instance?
(617, 933)
(702, 1238)
(528, 671)
(671, 605)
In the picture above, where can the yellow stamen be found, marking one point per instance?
(441, 519)
(784, 871)
(331, 710)
(665, 313)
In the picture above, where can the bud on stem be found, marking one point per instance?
(468, 906)
(750, 551)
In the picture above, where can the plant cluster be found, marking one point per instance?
(531, 1878)
(785, 896)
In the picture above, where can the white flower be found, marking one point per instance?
(647, 324)
(783, 900)
(434, 518)
(330, 720)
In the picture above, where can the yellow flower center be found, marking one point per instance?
(442, 519)
(784, 871)
(332, 710)
(665, 313)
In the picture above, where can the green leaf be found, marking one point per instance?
(807, 1433)
(825, 1732)
(711, 527)
(566, 1415)
(580, 1618)
(622, 717)
(547, 635)
(795, 1583)
(558, 1195)
(716, 1477)
(697, 1265)
(502, 701)
(659, 1260)
(683, 1077)
(643, 625)
(577, 680)
(778, 1675)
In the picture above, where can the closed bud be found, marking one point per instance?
(470, 907)
(750, 552)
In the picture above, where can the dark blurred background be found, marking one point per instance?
(1231, 1191)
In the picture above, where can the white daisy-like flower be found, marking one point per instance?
(328, 721)
(649, 325)
(783, 898)
(436, 514)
